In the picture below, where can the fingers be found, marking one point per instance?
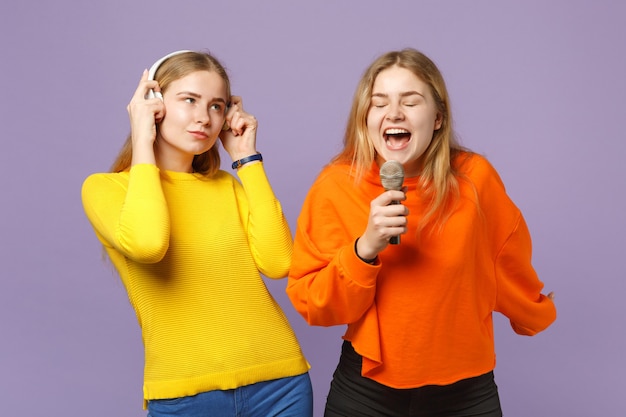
(240, 140)
(387, 218)
(145, 86)
(239, 120)
(144, 112)
(388, 197)
(140, 97)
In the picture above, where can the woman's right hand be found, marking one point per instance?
(385, 221)
(144, 113)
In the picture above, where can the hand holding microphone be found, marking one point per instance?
(384, 215)
(392, 177)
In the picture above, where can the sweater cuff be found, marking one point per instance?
(360, 272)
(367, 261)
(255, 181)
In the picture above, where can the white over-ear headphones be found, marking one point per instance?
(155, 67)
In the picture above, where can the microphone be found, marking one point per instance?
(392, 177)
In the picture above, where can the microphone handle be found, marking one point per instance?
(394, 240)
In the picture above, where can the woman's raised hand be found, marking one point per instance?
(240, 139)
(144, 114)
(385, 221)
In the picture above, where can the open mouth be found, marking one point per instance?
(396, 138)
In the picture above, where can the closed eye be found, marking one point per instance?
(379, 104)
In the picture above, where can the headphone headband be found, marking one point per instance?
(155, 67)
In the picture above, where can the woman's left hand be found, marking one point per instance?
(240, 139)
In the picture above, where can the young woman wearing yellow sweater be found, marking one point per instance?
(190, 243)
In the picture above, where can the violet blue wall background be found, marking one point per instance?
(537, 86)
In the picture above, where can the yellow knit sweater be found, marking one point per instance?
(189, 251)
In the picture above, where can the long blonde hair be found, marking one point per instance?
(438, 178)
(170, 70)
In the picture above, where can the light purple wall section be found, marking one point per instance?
(537, 86)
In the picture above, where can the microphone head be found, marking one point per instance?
(392, 175)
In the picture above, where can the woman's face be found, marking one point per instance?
(195, 107)
(402, 118)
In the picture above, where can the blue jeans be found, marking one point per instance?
(285, 397)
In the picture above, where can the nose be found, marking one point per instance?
(395, 112)
(203, 117)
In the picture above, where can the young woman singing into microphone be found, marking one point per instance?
(419, 339)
